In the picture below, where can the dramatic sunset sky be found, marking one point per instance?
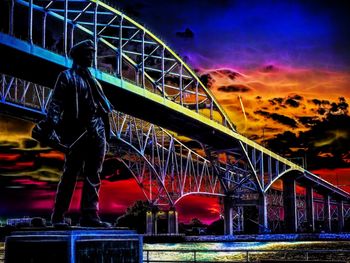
(281, 70)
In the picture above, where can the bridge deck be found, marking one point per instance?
(41, 66)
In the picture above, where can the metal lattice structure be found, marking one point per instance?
(174, 170)
(165, 168)
(275, 209)
(137, 55)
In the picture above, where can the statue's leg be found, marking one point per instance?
(93, 166)
(72, 167)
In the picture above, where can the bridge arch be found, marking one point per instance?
(199, 194)
(283, 174)
(97, 20)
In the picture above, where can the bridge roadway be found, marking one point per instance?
(163, 91)
(41, 66)
(22, 57)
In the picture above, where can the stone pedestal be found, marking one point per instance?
(73, 246)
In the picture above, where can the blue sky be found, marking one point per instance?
(245, 34)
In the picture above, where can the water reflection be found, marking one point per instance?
(266, 250)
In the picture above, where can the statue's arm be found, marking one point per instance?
(45, 130)
(55, 107)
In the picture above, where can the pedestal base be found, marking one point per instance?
(73, 246)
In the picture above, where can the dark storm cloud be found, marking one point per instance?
(296, 97)
(7, 145)
(29, 143)
(207, 80)
(327, 107)
(318, 102)
(188, 33)
(341, 106)
(279, 118)
(293, 103)
(327, 142)
(308, 121)
(228, 73)
(269, 68)
(275, 101)
(234, 88)
(284, 120)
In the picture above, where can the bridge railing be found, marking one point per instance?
(245, 255)
(125, 48)
(22, 93)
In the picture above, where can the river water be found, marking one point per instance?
(209, 255)
(209, 247)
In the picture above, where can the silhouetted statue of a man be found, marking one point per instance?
(79, 105)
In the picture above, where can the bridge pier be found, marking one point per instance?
(150, 226)
(341, 222)
(290, 208)
(310, 212)
(173, 223)
(228, 220)
(262, 210)
(152, 219)
(327, 213)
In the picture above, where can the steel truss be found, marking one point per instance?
(301, 211)
(24, 94)
(275, 209)
(164, 167)
(130, 51)
(177, 170)
(319, 211)
(124, 48)
(238, 219)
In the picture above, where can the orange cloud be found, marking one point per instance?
(279, 90)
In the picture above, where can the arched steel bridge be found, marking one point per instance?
(157, 98)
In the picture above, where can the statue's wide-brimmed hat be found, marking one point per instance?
(81, 47)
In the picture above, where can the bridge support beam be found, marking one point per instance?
(310, 213)
(150, 227)
(173, 223)
(290, 208)
(228, 220)
(327, 213)
(341, 222)
(263, 223)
